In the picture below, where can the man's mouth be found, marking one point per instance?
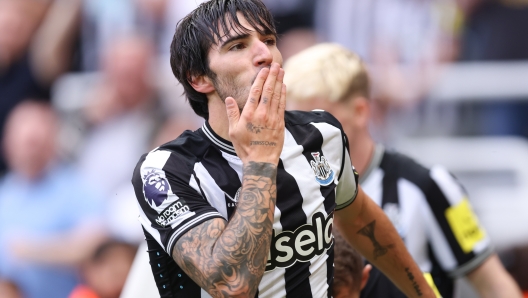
(255, 77)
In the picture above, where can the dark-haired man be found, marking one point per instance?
(244, 206)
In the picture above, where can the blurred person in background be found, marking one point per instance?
(121, 112)
(350, 275)
(49, 218)
(295, 24)
(32, 57)
(516, 261)
(121, 211)
(18, 21)
(104, 21)
(140, 280)
(428, 207)
(9, 290)
(493, 31)
(403, 42)
(105, 272)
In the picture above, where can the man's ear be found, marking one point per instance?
(361, 108)
(202, 84)
(365, 276)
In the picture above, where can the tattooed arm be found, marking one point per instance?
(228, 259)
(369, 230)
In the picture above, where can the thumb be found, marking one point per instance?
(233, 114)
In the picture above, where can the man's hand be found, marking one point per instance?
(258, 132)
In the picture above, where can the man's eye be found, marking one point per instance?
(270, 41)
(236, 47)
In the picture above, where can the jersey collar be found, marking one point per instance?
(375, 162)
(218, 141)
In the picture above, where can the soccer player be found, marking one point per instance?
(244, 206)
(428, 207)
(350, 275)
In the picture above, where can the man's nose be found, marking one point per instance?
(262, 54)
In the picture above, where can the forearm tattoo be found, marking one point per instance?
(228, 259)
(368, 231)
(415, 284)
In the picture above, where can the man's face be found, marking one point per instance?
(30, 141)
(237, 58)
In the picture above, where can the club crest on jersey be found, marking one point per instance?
(322, 170)
(155, 187)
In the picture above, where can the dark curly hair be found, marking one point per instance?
(199, 30)
(348, 264)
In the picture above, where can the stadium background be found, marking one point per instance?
(450, 86)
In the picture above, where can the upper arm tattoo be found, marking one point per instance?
(229, 258)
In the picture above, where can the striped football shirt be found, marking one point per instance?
(196, 178)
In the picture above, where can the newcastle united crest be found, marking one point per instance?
(322, 170)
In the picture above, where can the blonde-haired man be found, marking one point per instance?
(425, 205)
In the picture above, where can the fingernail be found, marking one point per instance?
(229, 102)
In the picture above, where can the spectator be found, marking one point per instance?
(121, 111)
(294, 21)
(9, 290)
(19, 20)
(403, 42)
(105, 272)
(49, 219)
(496, 31)
(121, 212)
(104, 21)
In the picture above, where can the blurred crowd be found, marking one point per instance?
(86, 89)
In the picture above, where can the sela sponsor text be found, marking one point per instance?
(306, 242)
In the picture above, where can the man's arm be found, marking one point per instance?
(369, 230)
(52, 46)
(491, 280)
(229, 259)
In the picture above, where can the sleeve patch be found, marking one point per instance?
(465, 225)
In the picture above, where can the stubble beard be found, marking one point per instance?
(229, 87)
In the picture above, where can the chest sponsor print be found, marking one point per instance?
(303, 244)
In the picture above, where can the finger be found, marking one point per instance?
(269, 87)
(256, 90)
(233, 113)
(277, 93)
(282, 102)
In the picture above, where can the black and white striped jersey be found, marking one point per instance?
(431, 212)
(196, 178)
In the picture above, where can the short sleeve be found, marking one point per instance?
(169, 198)
(459, 242)
(347, 186)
